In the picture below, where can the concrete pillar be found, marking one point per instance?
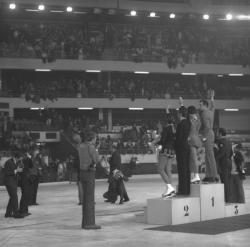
(110, 120)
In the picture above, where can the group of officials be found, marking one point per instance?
(21, 170)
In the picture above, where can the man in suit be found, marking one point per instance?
(25, 185)
(224, 160)
(183, 152)
(11, 171)
(88, 157)
(206, 130)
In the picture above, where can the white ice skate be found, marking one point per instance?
(170, 192)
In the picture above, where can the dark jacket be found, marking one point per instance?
(9, 172)
(115, 161)
(182, 133)
(167, 138)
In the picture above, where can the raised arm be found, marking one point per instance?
(212, 106)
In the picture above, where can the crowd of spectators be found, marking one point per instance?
(39, 87)
(174, 44)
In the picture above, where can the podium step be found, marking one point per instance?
(211, 200)
(235, 209)
(173, 211)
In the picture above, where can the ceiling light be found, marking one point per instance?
(135, 108)
(206, 17)
(243, 17)
(41, 7)
(229, 17)
(184, 73)
(141, 72)
(152, 14)
(235, 74)
(220, 75)
(172, 16)
(231, 109)
(133, 13)
(85, 108)
(12, 6)
(56, 11)
(93, 70)
(42, 70)
(69, 9)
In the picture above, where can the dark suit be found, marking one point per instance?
(10, 181)
(182, 156)
(25, 185)
(224, 163)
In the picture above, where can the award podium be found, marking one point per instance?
(205, 202)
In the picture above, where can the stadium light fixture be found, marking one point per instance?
(93, 70)
(69, 9)
(243, 17)
(184, 73)
(133, 13)
(141, 72)
(43, 70)
(41, 7)
(219, 75)
(85, 108)
(235, 74)
(206, 17)
(135, 108)
(231, 109)
(229, 17)
(12, 5)
(172, 16)
(36, 108)
(152, 14)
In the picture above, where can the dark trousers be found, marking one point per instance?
(116, 188)
(34, 179)
(236, 189)
(225, 174)
(12, 207)
(24, 202)
(87, 179)
(182, 157)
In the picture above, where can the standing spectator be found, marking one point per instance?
(88, 157)
(237, 175)
(25, 185)
(224, 160)
(35, 174)
(11, 170)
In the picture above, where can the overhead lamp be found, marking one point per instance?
(41, 7)
(133, 13)
(152, 14)
(12, 5)
(172, 16)
(93, 70)
(56, 11)
(36, 108)
(187, 73)
(231, 109)
(235, 74)
(243, 17)
(206, 17)
(43, 70)
(135, 108)
(141, 72)
(229, 17)
(85, 108)
(219, 75)
(69, 9)
(97, 11)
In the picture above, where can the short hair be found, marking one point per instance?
(192, 110)
(170, 119)
(16, 154)
(183, 111)
(222, 131)
(239, 146)
(204, 102)
(89, 136)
